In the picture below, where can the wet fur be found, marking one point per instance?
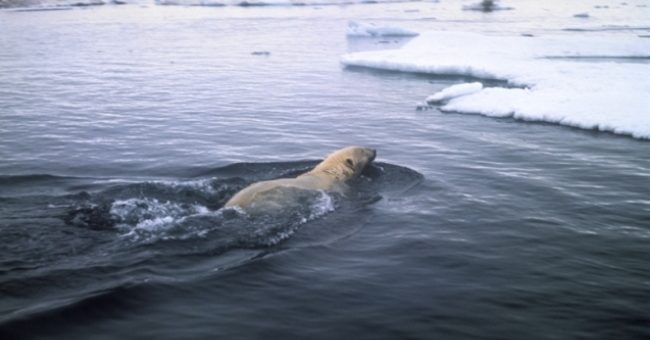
(330, 175)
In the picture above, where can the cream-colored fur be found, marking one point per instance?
(329, 175)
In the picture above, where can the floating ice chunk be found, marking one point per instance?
(359, 29)
(454, 91)
(486, 6)
(592, 82)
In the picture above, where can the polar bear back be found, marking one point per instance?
(329, 175)
(257, 191)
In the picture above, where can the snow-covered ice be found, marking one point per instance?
(454, 92)
(360, 29)
(591, 82)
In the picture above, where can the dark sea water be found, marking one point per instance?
(124, 129)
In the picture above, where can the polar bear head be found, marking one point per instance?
(346, 163)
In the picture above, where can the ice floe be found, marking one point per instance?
(591, 82)
(359, 29)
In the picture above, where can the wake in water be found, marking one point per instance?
(147, 212)
(118, 233)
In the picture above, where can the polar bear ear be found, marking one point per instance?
(349, 162)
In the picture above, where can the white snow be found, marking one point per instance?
(359, 29)
(591, 82)
(454, 92)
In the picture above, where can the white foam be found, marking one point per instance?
(155, 223)
(566, 79)
(323, 205)
(360, 29)
(150, 214)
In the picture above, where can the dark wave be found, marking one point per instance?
(42, 184)
(21, 179)
(49, 316)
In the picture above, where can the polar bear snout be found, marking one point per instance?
(373, 153)
(362, 157)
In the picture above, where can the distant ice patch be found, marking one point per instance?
(264, 3)
(590, 82)
(359, 29)
(56, 5)
(486, 6)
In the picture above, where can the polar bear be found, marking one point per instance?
(330, 175)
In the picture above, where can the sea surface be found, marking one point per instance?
(124, 129)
